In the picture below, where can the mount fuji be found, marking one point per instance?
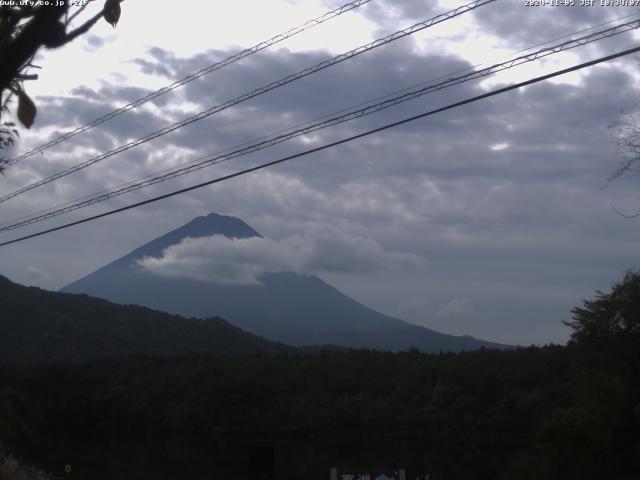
(286, 307)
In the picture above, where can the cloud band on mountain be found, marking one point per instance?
(241, 261)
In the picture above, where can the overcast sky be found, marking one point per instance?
(489, 220)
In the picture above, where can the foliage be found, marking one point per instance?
(12, 469)
(25, 27)
(38, 325)
(611, 315)
(540, 412)
(602, 425)
(486, 401)
(606, 330)
(627, 141)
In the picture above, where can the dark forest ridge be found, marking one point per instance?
(552, 412)
(41, 325)
(288, 307)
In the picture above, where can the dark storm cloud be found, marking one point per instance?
(365, 77)
(153, 68)
(391, 65)
(87, 93)
(70, 112)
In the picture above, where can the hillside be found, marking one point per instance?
(41, 325)
(550, 412)
(287, 307)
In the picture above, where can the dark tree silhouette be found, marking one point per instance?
(611, 315)
(24, 29)
(627, 141)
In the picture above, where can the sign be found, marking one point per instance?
(367, 474)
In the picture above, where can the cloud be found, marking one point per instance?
(37, 276)
(93, 43)
(241, 261)
(530, 217)
(414, 309)
(522, 26)
(458, 307)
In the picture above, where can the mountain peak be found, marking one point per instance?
(203, 226)
(286, 306)
(215, 224)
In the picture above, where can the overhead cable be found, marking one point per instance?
(315, 126)
(254, 93)
(330, 145)
(194, 76)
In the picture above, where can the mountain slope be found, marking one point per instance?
(287, 307)
(39, 325)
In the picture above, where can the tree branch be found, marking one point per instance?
(77, 12)
(41, 29)
(627, 216)
(84, 28)
(22, 76)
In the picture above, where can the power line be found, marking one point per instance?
(259, 91)
(194, 76)
(382, 97)
(332, 144)
(312, 127)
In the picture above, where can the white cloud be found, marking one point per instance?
(241, 261)
(499, 146)
(458, 307)
(531, 217)
(37, 276)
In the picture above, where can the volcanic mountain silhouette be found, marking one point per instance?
(287, 307)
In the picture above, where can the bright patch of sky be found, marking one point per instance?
(185, 29)
(499, 146)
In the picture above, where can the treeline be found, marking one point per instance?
(39, 325)
(570, 412)
(539, 410)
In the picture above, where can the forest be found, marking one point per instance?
(540, 412)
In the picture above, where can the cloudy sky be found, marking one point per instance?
(489, 220)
